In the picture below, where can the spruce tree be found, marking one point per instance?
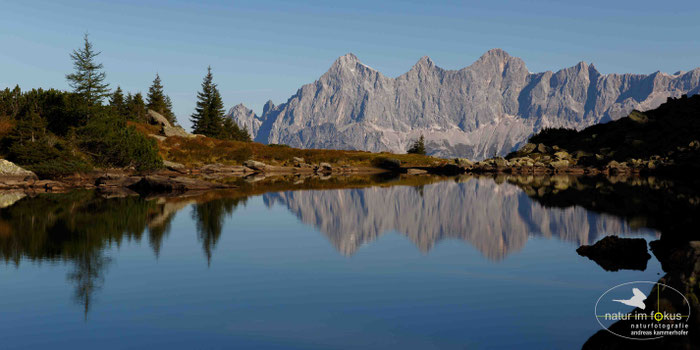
(117, 102)
(208, 116)
(136, 107)
(231, 131)
(155, 99)
(169, 110)
(418, 147)
(88, 78)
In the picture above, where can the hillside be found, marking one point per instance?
(663, 140)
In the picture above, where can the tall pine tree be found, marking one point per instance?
(88, 80)
(158, 101)
(208, 116)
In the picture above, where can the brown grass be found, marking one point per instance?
(198, 151)
(145, 128)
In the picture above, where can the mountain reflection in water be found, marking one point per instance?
(497, 216)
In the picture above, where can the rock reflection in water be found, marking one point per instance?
(495, 218)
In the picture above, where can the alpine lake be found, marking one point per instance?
(403, 262)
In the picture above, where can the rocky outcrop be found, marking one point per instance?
(167, 129)
(157, 184)
(9, 169)
(490, 107)
(613, 253)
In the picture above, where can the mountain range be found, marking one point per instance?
(488, 108)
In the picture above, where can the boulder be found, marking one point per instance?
(464, 162)
(528, 148)
(255, 165)
(8, 168)
(173, 165)
(298, 160)
(161, 185)
(542, 148)
(562, 155)
(157, 118)
(613, 253)
(560, 164)
(500, 162)
(413, 171)
(638, 117)
(170, 131)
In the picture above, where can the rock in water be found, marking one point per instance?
(490, 107)
(613, 253)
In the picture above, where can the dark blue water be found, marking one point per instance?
(472, 265)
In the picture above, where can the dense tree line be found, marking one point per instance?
(55, 132)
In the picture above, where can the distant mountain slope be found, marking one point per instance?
(490, 107)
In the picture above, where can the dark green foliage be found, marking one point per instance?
(31, 146)
(208, 116)
(136, 108)
(118, 103)
(169, 110)
(10, 101)
(112, 143)
(158, 101)
(88, 78)
(231, 131)
(418, 147)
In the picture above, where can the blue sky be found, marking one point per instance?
(262, 50)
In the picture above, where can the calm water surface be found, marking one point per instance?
(449, 265)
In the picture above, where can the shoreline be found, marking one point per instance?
(178, 179)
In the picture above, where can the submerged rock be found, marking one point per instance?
(613, 253)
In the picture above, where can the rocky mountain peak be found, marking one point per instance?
(424, 61)
(269, 105)
(347, 60)
(494, 55)
(490, 107)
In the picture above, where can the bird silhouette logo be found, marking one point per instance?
(637, 299)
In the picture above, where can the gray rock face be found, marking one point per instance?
(8, 168)
(490, 107)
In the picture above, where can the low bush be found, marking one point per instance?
(111, 143)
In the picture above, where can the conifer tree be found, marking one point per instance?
(88, 80)
(117, 102)
(208, 116)
(169, 110)
(136, 107)
(231, 131)
(418, 147)
(155, 99)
